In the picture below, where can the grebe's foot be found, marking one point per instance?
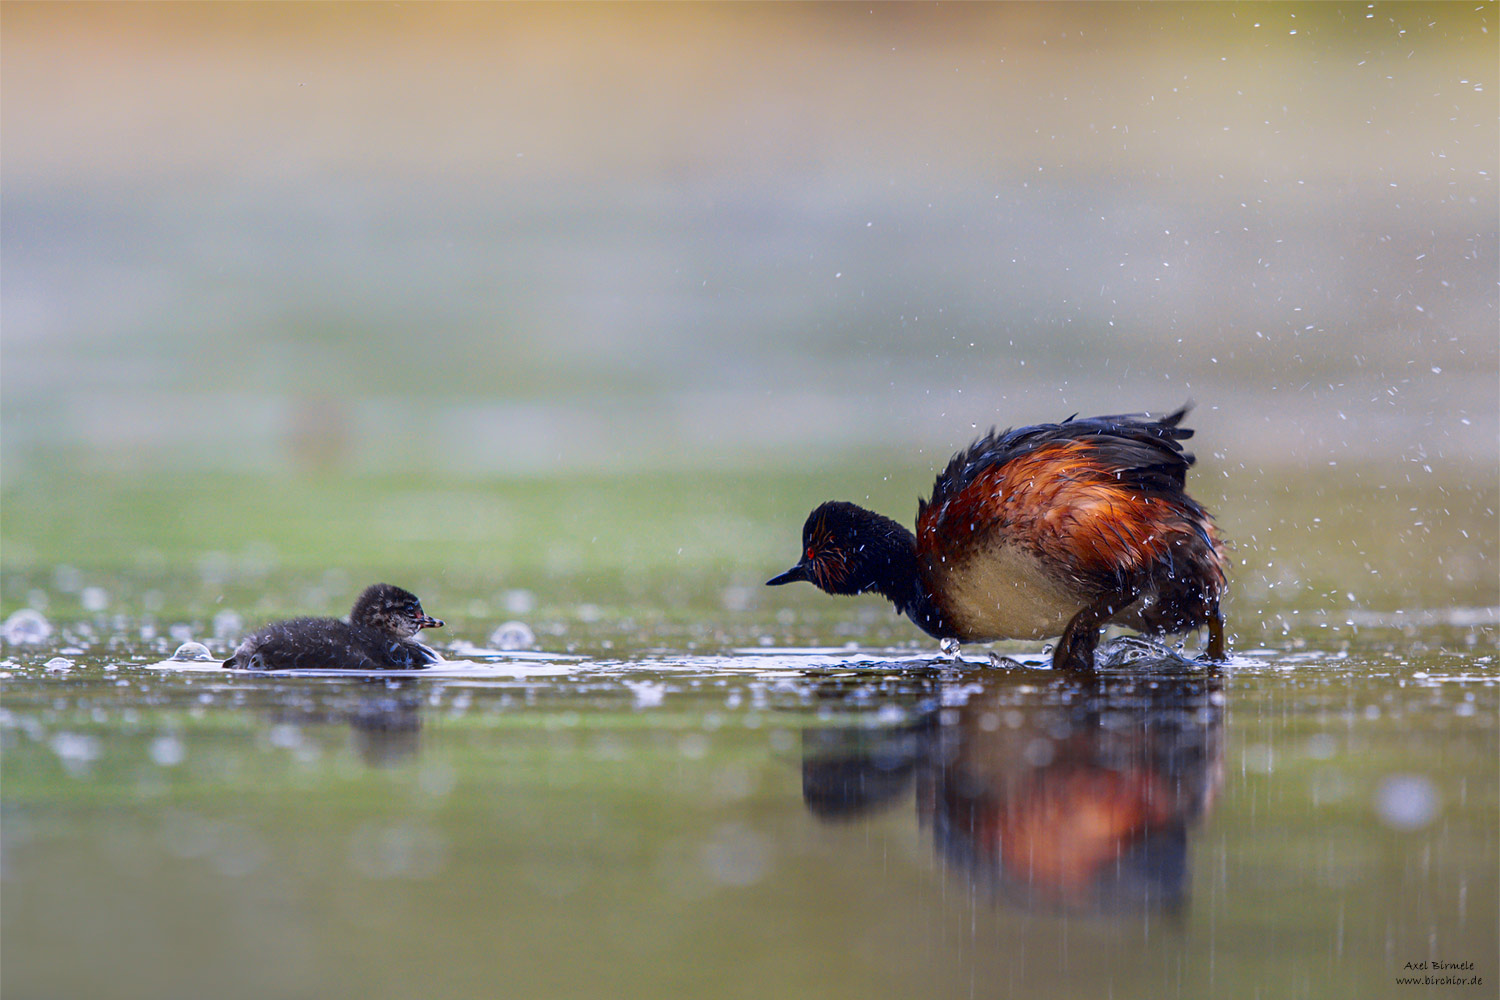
(1139, 651)
(1216, 649)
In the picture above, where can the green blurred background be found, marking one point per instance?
(497, 294)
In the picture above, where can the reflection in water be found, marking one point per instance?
(1049, 792)
(386, 722)
(387, 729)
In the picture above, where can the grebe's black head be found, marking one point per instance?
(392, 610)
(849, 550)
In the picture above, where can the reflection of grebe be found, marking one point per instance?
(1065, 798)
(1079, 806)
(1069, 822)
(388, 728)
(1055, 529)
(378, 636)
(384, 717)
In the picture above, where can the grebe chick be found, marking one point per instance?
(377, 636)
(1055, 529)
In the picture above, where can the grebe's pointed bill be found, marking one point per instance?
(797, 572)
(427, 621)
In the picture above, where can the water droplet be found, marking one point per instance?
(737, 598)
(519, 602)
(192, 651)
(1407, 801)
(75, 750)
(1039, 752)
(167, 751)
(513, 635)
(648, 694)
(26, 627)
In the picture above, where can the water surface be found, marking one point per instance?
(753, 821)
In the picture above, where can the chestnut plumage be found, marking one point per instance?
(378, 636)
(1049, 530)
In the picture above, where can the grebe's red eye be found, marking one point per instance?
(808, 555)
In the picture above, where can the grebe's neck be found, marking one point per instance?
(885, 561)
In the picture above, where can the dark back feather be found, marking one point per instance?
(1143, 452)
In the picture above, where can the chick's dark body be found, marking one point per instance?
(324, 643)
(378, 636)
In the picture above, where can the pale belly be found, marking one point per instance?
(1003, 593)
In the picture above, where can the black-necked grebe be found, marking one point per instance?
(377, 636)
(1055, 529)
